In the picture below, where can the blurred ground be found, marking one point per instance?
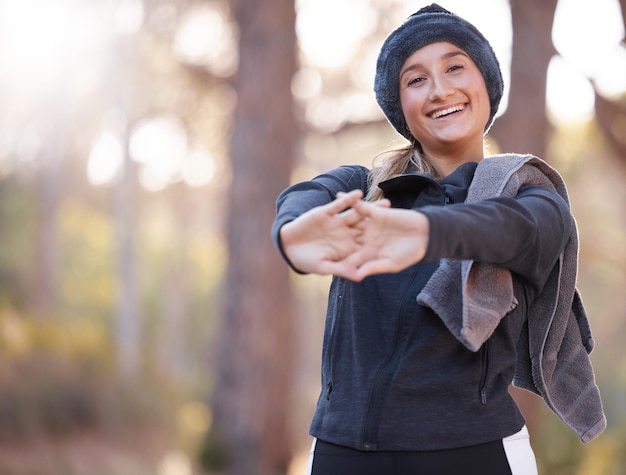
(95, 453)
(139, 452)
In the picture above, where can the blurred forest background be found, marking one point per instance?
(147, 324)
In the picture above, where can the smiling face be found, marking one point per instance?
(445, 102)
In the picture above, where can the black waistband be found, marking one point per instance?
(483, 459)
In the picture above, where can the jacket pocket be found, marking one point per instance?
(337, 291)
(484, 372)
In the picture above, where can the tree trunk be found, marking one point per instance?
(610, 115)
(525, 128)
(253, 374)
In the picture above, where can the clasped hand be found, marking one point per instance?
(352, 238)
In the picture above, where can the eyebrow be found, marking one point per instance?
(415, 66)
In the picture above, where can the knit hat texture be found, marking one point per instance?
(430, 25)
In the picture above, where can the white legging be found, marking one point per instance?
(520, 454)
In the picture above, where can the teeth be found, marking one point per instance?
(436, 115)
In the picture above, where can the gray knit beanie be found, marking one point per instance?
(430, 25)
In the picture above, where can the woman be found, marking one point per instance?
(453, 277)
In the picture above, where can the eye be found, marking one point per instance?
(414, 81)
(455, 67)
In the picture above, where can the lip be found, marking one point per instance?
(445, 111)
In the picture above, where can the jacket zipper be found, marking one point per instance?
(384, 376)
(484, 371)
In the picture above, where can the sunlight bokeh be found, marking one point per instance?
(105, 159)
(589, 39)
(129, 16)
(40, 41)
(323, 25)
(585, 55)
(159, 144)
(573, 102)
(207, 37)
(306, 84)
(175, 463)
(198, 168)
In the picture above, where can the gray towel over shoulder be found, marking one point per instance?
(472, 297)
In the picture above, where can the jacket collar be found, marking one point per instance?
(404, 190)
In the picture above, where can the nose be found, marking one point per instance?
(440, 88)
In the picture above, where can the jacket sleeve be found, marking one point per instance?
(525, 234)
(302, 197)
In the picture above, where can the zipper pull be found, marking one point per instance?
(483, 396)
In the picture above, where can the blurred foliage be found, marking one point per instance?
(559, 452)
(58, 385)
(56, 378)
(17, 208)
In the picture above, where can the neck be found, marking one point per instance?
(448, 159)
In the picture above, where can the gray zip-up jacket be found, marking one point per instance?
(394, 377)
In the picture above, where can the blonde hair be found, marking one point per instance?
(397, 162)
